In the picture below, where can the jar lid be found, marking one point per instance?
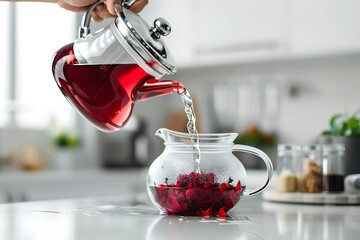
(293, 148)
(144, 43)
(333, 148)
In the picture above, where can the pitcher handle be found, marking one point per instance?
(264, 157)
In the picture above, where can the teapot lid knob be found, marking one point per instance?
(161, 28)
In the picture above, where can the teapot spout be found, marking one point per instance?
(154, 88)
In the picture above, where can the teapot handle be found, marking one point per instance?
(264, 157)
(84, 29)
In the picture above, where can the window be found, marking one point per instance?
(33, 33)
(4, 61)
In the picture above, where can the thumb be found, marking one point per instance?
(112, 4)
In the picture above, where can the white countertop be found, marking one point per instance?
(133, 217)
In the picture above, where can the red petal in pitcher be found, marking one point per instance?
(232, 196)
(194, 177)
(206, 213)
(221, 213)
(181, 196)
(161, 193)
(238, 186)
(172, 204)
(225, 186)
(191, 194)
(215, 197)
(183, 180)
(206, 178)
(228, 204)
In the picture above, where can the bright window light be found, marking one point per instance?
(4, 61)
(40, 30)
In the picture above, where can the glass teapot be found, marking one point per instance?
(102, 74)
(177, 185)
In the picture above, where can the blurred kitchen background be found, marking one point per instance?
(273, 71)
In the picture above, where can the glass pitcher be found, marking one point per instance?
(103, 74)
(177, 185)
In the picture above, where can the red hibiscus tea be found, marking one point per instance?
(197, 194)
(105, 93)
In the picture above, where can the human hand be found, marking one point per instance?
(102, 11)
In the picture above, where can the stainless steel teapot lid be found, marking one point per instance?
(144, 43)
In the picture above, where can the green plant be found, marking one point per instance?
(67, 140)
(341, 125)
(253, 136)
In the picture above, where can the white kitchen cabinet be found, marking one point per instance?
(209, 32)
(325, 26)
(206, 31)
(239, 28)
(180, 15)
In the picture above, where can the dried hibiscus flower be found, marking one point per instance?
(198, 194)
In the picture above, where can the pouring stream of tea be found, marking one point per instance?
(191, 127)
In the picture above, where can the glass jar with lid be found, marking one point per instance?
(310, 177)
(288, 165)
(333, 167)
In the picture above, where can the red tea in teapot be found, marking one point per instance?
(105, 93)
(103, 73)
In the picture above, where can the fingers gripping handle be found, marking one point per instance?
(264, 157)
(84, 29)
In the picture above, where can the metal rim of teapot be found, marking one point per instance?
(144, 48)
(84, 29)
(161, 28)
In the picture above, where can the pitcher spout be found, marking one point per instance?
(161, 133)
(171, 136)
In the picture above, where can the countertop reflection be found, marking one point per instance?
(133, 217)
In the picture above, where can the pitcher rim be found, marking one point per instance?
(227, 137)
